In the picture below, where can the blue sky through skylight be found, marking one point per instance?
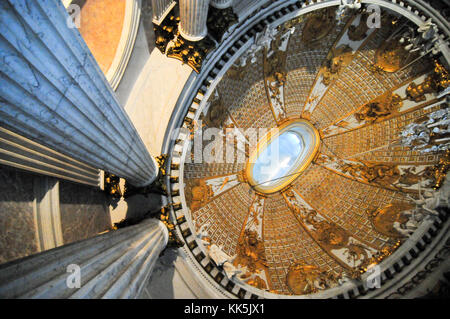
(277, 159)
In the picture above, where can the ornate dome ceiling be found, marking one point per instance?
(355, 201)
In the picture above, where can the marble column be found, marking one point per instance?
(20, 152)
(221, 4)
(193, 16)
(160, 9)
(53, 92)
(116, 264)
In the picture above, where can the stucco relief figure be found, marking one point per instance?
(251, 260)
(408, 227)
(411, 177)
(217, 114)
(391, 55)
(430, 135)
(427, 203)
(388, 219)
(254, 222)
(359, 32)
(379, 109)
(331, 235)
(262, 40)
(415, 216)
(381, 174)
(337, 59)
(356, 253)
(251, 253)
(346, 8)
(223, 260)
(318, 26)
(198, 195)
(402, 219)
(307, 279)
(275, 75)
(202, 233)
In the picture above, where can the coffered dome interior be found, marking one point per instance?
(352, 204)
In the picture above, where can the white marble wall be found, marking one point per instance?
(154, 96)
(53, 92)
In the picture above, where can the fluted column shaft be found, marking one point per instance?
(53, 92)
(193, 16)
(113, 265)
(221, 4)
(160, 9)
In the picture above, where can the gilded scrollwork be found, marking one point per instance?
(166, 31)
(111, 185)
(257, 282)
(405, 178)
(331, 235)
(434, 83)
(191, 53)
(380, 256)
(391, 55)
(439, 171)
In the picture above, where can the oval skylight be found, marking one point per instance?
(278, 158)
(282, 155)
